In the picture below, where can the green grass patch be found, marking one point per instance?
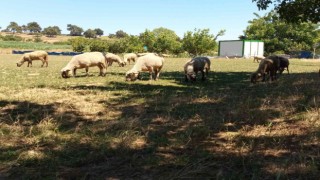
(34, 45)
(104, 127)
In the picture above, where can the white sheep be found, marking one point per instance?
(192, 67)
(35, 55)
(127, 58)
(85, 60)
(150, 63)
(110, 57)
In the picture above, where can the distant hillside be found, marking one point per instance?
(27, 37)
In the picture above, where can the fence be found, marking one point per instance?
(50, 53)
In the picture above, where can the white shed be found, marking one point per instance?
(241, 48)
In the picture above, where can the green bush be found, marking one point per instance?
(12, 38)
(78, 44)
(98, 45)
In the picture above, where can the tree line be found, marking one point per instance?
(279, 36)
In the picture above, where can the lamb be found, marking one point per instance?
(110, 57)
(258, 58)
(266, 66)
(284, 62)
(130, 57)
(85, 60)
(35, 55)
(149, 62)
(192, 67)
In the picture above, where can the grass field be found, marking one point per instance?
(106, 128)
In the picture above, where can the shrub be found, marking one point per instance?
(98, 45)
(12, 38)
(78, 44)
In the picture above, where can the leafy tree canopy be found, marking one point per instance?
(34, 27)
(281, 36)
(74, 30)
(13, 27)
(98, 31)
(200, 41)
(90, 33)
(294, 10)
(51, 31)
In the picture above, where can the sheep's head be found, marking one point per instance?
(255, 76)
(132, 76)
(122, 64)
(19, 64)
(65, 73)
(190, 74)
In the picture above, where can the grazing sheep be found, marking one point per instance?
(130, 57)
(143, 54)
(149, 62)
(35, 55)
(85, 60)
(110, 57)
(157, 54)
(257, 58)
(266, 66)
(196, 64)
(284, 62)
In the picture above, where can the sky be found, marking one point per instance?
(134, 16)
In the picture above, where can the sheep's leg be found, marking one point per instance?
(30, 63)
(42, 60)
(74, 72)
(87, 69)
(110, 63)
(103, 69)
(186, 77)
(150, 73)
(203, 76)
(157, 73)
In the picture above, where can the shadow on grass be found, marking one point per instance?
(224, 128)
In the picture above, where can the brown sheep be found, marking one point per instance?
(266, 66)
(192, 67)
(35, 55)
(283, 62)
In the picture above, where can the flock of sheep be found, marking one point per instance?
(153, 63)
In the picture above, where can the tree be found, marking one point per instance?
(74, 30)
(90, 33)
(133, 44)
(98, 31)
(51, 31)
(24, 28)
(161, 40)
(294, 10)
(121, 34)
(13, 27)
(166, 40)
(279, 35)
(148, 39)
(34, 27)
(200, 41)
